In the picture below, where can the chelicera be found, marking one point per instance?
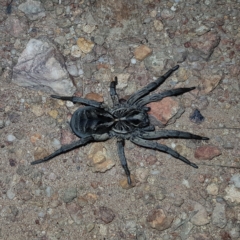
(127, 120)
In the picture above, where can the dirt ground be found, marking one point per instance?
(83, 194)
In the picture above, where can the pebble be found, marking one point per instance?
(235, 179)
(69, 194)
(165, 109)
(201, 216)
(207, 152)
(141, 52)
(158, 219)
(196, 117)
(11, 138)
(219, 216)
(85, 45)
(212, 189)
(76, 51)
(10, 194)
(106, 214)
(158, 25)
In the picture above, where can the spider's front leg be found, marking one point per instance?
(162, 148)
(63, 149)
(84, 101)
(113, 92)
(151, 86)
(120, 145)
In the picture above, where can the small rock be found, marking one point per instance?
(76, 51)
(142, 174)
(99, 40)
(141, 52)
(85, 45)
(232, 194)
(106, 214)
(124, 183)
(205, 44)
(167, 14)
(164, 110)
(207, 152)
(33, 9)
(202, 30)
(219, 216)
(12, 162)
(201, 216)
(157, 219)
(196, 117)
(37, 110)
(122, 80)
(11, 138)
(61, 40)
(100, 160)
(10, 194)
(53, 113)
(42, 67)
(15, 27)
(75, 212)
(158, 25)
(89, 28)
(235, 179)
(212, 189)
(210, 81)
(35, 137)
(69, 194)
(131, 226)
(40, 153)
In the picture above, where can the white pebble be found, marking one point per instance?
(56, 143)
(10, 194)
(133, 61)
(11, 138)
(69, 104)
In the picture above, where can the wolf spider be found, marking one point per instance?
(127, 120)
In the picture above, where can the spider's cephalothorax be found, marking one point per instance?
(128, 120)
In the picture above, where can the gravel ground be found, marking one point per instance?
(83, 194)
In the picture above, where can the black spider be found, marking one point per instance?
(128, 120)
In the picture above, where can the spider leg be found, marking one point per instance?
(159, 96)
(170, 134)
(84, 101)
(151, 86)
(120, 145)
(113, 92)
(63, 149)
(162, 148)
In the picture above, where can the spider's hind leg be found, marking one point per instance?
(162, 148)
(63, 149)
(120, 145)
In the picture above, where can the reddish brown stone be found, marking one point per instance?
(207, 152)
(164, 110)
(206, 44)
(157, 219)
(106, 214)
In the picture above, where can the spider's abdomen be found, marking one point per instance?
(129, 119)
(87, 121)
